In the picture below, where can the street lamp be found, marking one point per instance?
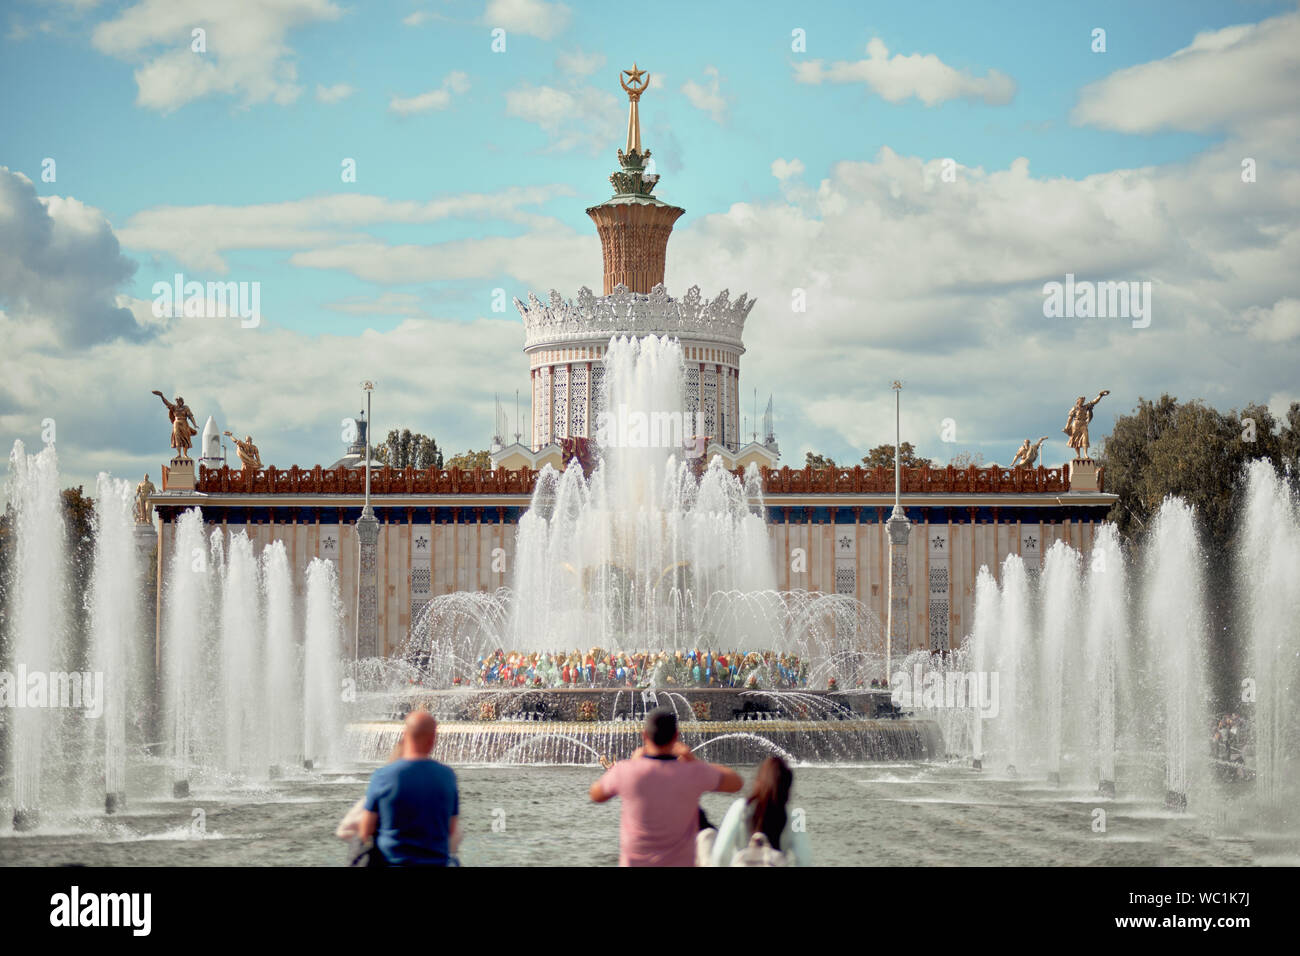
(368, 540)
(898, 527)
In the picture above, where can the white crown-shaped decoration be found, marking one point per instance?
(632, 313)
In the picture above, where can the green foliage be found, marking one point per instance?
(403, 448)
(469, 460)
(818, 461)
(1191, 450)
(882, 456)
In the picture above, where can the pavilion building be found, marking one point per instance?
(446, 530)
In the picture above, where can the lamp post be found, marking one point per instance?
(367, 557)
(899, 528)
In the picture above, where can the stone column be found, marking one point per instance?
(899, 590)
(367, 584)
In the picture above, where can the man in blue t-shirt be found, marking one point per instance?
(412, 805)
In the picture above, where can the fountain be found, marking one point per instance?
(1105, 640)
(1175, 622)
(187, 616)
(321, 697)
(988, 624)
(1060, 586)
(39, 625)
(283, 707)
(1269, 557)
(115, 625)
(1014, 655)
(666, 567)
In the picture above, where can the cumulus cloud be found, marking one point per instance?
(333, 94)
(454, 84)
(577, 63)
(708, 96)
(583, 118)
(540, 260)
(1239, 78)
(531, 17)
(246, 54)
(940, 284)
(783, 170)
(197, 236)
(921, 76)
(1277, 323)
(436, 375)
(60, 268)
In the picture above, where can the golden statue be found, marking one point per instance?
(144, 510)
(634, 85)
(1027, 454)
(1076, 425)
(247, 451)
(184, 427)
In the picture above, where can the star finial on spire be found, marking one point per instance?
(635, 84)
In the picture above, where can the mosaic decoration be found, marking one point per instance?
(560, 395)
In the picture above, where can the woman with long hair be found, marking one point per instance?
(757, 829)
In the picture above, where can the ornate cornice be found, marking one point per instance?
(593, 317)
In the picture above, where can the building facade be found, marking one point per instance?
(442, 531)
(447, 530)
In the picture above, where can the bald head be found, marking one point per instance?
(419, 736)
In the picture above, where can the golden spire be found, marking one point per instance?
(635, 85)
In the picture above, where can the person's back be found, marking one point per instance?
(416, 801)
(758, 831)
(660, 787)
(412, 804)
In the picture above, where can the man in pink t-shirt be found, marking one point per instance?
(661, 784)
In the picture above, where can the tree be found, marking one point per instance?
(1195, 452)
(882, 456)
(967, 459)
(404, 448)
(1199, 454)
(469, 460)
(817, 461)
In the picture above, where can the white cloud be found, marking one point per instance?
(1239, 78)
(940, 284)
(577, 63)
(333, 94)
(198, 236)
(897, 78)
(583, 118)
(540, 260)
(1277, 323)
(60, 266)
(708, 97)
(455, 83)
(246, 51)
(783, 170)
(387, 303)
(531, 17)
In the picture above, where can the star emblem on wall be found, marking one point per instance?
(845, 542)
(328, 542)
(421, 543)
(1031, 543)
(938, 542)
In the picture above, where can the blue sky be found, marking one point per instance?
(157, 142)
